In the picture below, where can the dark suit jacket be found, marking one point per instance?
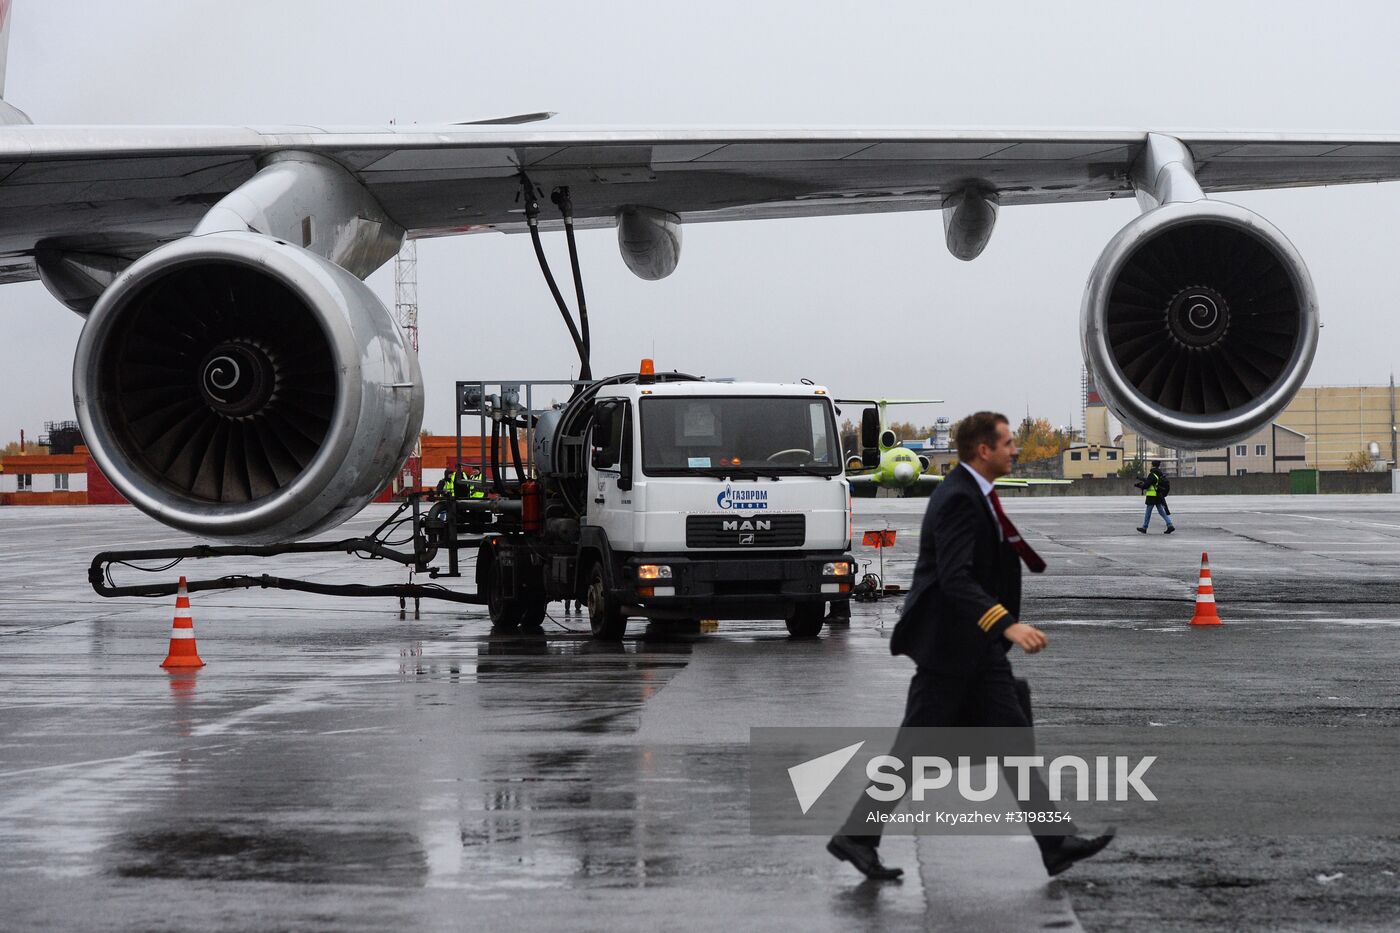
(967, 583)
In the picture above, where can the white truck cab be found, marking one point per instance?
(676, 498)
(732, 495)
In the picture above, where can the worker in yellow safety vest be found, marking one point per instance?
(469, 485)
(475, 485)
(1154, 488)
(445, 486)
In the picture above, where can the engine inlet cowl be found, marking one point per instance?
(243, 389)
(1199, 323)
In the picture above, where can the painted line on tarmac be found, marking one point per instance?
(1392, 526)
(92, 762)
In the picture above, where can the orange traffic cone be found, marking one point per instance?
(183, 652)
(1205, 596)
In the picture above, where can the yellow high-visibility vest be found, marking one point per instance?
(474, 487)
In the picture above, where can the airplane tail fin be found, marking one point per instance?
(8, 113)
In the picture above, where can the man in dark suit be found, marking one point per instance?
(959, 621)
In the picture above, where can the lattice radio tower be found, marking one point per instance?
(406, 291)
(1084, 400)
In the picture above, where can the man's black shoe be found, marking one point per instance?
(865, 858)
(1074, 849)
(1170, 529)
(1142, 531)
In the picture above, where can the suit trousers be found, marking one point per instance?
(988, 696)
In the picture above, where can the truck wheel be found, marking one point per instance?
(806, 620)
(605, 616)
(504, 611)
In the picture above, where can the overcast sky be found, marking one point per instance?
(866, 305)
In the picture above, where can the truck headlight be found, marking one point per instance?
(840, 568)
(654, 572)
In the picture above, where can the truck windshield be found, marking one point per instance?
(724, 435)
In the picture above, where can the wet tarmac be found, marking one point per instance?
(336, 767)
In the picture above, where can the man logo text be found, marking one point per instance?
(748, 525)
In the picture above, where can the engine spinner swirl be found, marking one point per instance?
(1198, 316)
(237, 379)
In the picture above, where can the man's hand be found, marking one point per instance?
(1029, 638)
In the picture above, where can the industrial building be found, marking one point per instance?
(1322, 428)
(55, 479)
(1271, 449)
(1342, 421)
(1090, 461)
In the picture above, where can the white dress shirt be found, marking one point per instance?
(986, 486)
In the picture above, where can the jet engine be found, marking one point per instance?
(243, 389)
(1199, 323)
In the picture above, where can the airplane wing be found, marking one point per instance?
(861, 479)
(123, 190)
(1011, 481)
(183, 344)
(888, 401)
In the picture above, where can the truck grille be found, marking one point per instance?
(745, 531)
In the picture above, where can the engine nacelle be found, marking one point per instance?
(243, 389)
(1199, 323)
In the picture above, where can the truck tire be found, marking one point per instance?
(524, 611)
(503, 609)
(806, 620)
(605, 616)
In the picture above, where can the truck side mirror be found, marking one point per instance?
(870, 438)
(870, 428)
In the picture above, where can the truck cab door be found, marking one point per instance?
(610, 473)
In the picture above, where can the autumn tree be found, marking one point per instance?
(1039, 440)
(907, 430)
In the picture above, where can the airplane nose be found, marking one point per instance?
(904, 472)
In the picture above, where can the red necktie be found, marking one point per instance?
(1013, 537)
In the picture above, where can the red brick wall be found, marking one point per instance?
(100, 491)
(413, 467)
(46, 464)
(43, 498)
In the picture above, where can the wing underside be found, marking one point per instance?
(125, 190)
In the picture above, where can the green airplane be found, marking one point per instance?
(898, 467)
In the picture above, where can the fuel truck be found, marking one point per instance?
(664, 497)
